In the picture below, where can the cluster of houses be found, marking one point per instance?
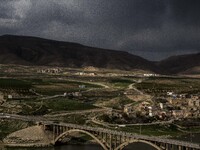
(72, 94)
(171, 109)
(7, 96)
(85, 73)
(150, 75)
(13, 96)
(50, 70)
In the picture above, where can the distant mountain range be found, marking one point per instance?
(182, 64)
(25, 50)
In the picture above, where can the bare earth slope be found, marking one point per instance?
(31, 136)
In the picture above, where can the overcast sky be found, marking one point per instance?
(154, 29)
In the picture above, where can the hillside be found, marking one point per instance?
(26, 50)
(182, 64)
(37, 51)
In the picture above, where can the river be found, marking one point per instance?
(137, 146)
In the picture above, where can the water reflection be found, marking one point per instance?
(64, 147)
(138, 146)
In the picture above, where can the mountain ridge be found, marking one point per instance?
(38, 51)
(28, 50)
(181, 63)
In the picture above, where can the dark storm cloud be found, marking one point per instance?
(186, 12)
(178, 33)
(151, 28)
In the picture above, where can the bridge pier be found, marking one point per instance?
(170, 147)
(110, 147)
(167, 147)
(115, 141)
(54, 133)
(179, 147)
(162, 145)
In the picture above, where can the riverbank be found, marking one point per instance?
(27, 145)
(44, 145)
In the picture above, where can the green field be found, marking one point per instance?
(15, 84)
(154, 130)
(53, 105)
(159, 86)
(120, 83)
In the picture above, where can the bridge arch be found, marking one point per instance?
(136, 141)
(81, 131)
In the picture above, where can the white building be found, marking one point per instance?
(150, 75)
(10, 96)
(161, 105)
(170, 93)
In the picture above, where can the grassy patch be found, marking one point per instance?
(162, 85)
(154, 130)
(14, 84)
(67, 105)
(119, 102)
(52, 105)
(121, 83)
(76, 119)
(53, 87)
(87, 85)
(33, 108)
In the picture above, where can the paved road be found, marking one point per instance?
(47, 117)
(78, 112)
(106, 124)
(51, 97)
(23, 118)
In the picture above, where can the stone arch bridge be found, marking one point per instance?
(115, 140)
